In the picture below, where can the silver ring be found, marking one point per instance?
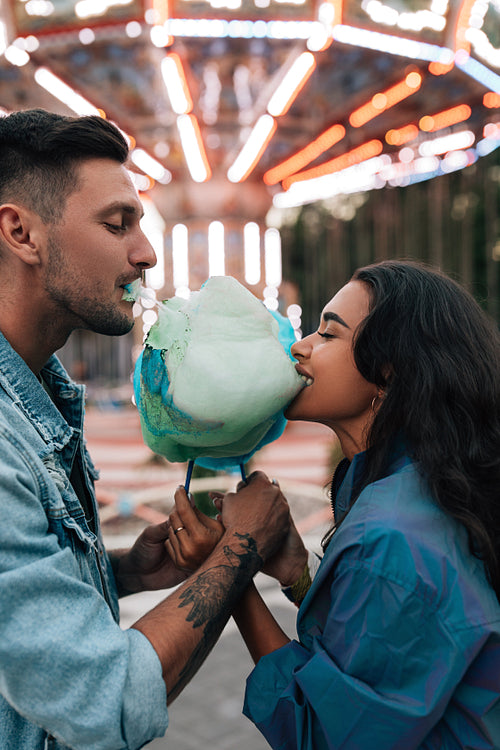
(275, 481)
(176, 531)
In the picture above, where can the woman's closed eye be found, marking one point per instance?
(327, 335)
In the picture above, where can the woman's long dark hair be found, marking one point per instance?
(436, 355)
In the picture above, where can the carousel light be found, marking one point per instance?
(445, 119)
(399, 136)
(355, 156)
(16, 56)
(251, 241)
(149, 165)
(253, 149)
(180, 256)
(216, 252)
(453, 142)
(491, 100)
(176, 84)
(305, 156)
(386, 99)
(192, 146)
(478, 71)
(393, 45)
(293, 82)
(51, 83)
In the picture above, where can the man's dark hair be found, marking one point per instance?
(40, 152)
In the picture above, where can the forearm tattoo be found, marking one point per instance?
(212, 596)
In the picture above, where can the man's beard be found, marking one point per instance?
(82, 308)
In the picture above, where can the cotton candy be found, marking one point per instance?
(214, 377)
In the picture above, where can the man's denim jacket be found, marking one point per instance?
(69, 676)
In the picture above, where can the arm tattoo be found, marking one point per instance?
(211, 598)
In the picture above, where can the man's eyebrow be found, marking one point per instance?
(127, 208)
(336, 318)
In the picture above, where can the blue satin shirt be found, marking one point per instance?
(399, 634)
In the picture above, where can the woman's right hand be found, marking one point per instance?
(192, 535)
(288, 563)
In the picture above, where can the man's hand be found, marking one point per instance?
(147, 565)
(257, 510)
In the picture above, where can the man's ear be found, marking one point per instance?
(23, 232)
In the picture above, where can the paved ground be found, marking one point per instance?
(135, 490)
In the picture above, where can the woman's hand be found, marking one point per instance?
(288, 563)
(192, 535)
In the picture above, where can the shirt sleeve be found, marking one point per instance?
(65, 664)
(379, 675)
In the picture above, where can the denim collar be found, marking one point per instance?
(57, 420)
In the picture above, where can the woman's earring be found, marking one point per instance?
(376, 398)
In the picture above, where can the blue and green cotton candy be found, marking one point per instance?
(215, 376)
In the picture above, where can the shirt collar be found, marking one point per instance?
(56, 420)
(351, 476)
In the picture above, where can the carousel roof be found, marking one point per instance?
(236, 104)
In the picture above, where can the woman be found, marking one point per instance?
(399, 631)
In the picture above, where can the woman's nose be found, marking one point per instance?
(300, 349)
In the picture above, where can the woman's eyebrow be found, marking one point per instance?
(333, 316)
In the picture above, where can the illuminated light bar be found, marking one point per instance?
(462, 26)
(161, 10)
(431, 123)
(353, 179)
(176, 84)
(357, 155)
(251, 239)
(478, 71)
(253, 149)
(16, 56)
(51, 83)
(154, 228)
(491, 100)
(440, 69)
(89, 8)
(180, 256)
(293, 82)
(150, 166)
(399, 136)
(385, 100)
(456, 160)
(214, 28)
(272, 249)
(329, 14)
(414, 21)
(216, 252)
(305, 156)
(393, 45)
(192, 146)
(160, 37)
(491, 140)
(453, 142)
(492, 130)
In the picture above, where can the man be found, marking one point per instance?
(70, 240)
